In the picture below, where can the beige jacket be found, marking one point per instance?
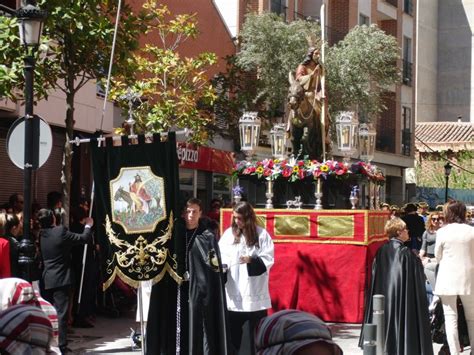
(454, 252)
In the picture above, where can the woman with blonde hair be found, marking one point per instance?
(454, 252)
(428, 240)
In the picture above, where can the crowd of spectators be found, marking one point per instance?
(11, 231)
(430, 256)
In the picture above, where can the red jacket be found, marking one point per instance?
(4, 258)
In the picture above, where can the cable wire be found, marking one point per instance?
(445, 159)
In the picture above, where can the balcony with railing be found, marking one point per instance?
(299, 16)
(407, 72)
(393, 2)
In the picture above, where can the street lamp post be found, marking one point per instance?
(447, 172)
(30, 21)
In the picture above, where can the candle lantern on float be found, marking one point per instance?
(249, 128)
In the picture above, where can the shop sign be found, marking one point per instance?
(204, 158)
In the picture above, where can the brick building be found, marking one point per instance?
(214, 37)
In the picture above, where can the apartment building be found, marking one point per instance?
(198, 177)
(445, 72)
(395, 125)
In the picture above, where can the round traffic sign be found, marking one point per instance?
(43, 138)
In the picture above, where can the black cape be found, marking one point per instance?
(203, 319)
(398, 275)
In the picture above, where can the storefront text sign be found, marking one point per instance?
(204, 158)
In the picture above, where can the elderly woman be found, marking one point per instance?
(454, 252)
(397, 274)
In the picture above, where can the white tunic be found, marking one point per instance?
(244, 293)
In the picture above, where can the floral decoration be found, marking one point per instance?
(237, 190)
(294, 170)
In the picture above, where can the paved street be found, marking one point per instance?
(112, 336)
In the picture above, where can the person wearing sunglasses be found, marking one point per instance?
(428, 241)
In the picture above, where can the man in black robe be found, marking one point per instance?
(398, 275)
(202, 311)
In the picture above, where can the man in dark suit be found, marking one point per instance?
(56, 244)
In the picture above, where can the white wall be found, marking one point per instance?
(229, 12)
(426, 61)
(365, 9)
(87, 113)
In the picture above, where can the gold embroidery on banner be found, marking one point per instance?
(290, 225)
(141, 257)
(335, 226)
(134, 283)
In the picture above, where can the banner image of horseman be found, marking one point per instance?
(137, 204)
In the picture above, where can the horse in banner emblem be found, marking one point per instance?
(134, 205)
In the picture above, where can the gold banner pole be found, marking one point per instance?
(323, 78)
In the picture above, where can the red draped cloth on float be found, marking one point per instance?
(323, 259)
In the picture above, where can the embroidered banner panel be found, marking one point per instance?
(136, 189)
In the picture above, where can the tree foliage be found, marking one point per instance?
(177, 91)
(429, 170)
(77, 41)
(273, 47)
(358, 68)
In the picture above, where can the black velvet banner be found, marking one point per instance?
(136, 208)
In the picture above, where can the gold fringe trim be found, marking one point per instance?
(136, 283)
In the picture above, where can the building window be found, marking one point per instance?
(408, 7)
(406, 130)
(278, 7)
(221, 187)
(407, 61)
(393, 2)
(364, 20)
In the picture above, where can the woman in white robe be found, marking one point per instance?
(248, 252)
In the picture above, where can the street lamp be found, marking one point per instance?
(30, 22)
(249, 127)
(447, 172)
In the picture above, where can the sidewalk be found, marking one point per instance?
(112, 336)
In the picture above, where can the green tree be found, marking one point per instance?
(272, 47)
(360, 68)
(429, 170)
(177, 90)
(357, 68)
(77, 44)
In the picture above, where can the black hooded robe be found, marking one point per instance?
(203, 319)
(398, 275)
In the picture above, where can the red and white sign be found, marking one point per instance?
(191, 156)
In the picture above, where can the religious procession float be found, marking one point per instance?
(321, 212)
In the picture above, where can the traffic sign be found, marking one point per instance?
(42, 139)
